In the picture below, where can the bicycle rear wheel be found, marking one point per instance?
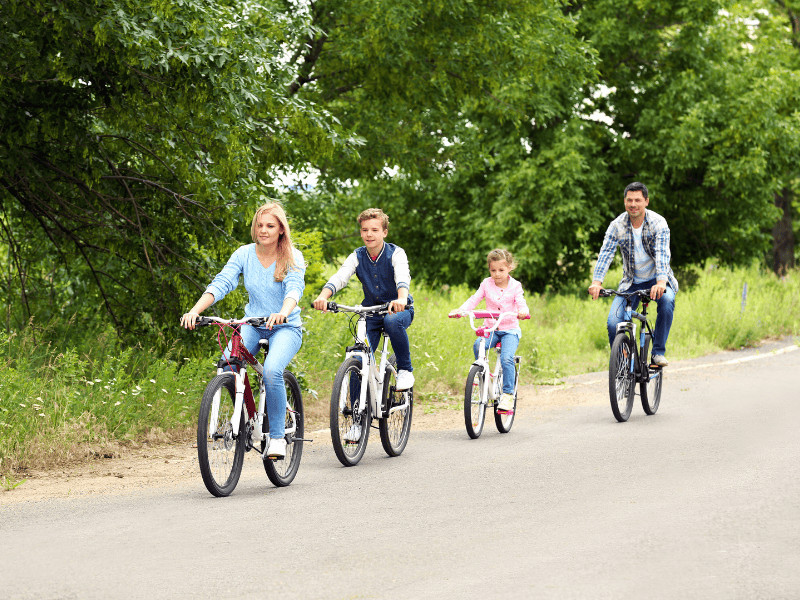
(219, 451)
(504, 421)
(650, 387)
(349, 427)
(395, 427)
(621, 379)
(474, 402)
(282, 472)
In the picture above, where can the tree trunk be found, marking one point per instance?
(783, 234)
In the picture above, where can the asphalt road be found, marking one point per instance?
(701, 500)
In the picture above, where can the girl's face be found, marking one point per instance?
(268, 230)
(499, 270)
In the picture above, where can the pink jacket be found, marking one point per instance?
(498, 299)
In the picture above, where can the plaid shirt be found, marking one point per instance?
(655, 239)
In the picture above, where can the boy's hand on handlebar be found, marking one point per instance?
(189, 320)
(321, 303)
(396, 306)
(275, 319)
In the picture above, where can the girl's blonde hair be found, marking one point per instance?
(501, 254)
(285, 259)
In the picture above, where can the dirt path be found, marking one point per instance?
(174, 464)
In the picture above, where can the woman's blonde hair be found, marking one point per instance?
(501, 254)
(285, 258)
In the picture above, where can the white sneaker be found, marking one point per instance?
(405, 380)
(506, 403)
(660, 360)
(354, 435)
(276, 449)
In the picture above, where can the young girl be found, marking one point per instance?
(502, 293)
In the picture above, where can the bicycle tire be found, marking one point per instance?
(650, 386)
(474, 402)
(504, 421)
(621, 379)
(282, 472)
(219, 453)
(395, 428)
(344, 418)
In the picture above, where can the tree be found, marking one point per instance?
(135, 137)
(464, 108)
(701, 97)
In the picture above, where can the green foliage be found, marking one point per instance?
(135, 139)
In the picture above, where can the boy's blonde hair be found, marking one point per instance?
(285, 259)
(374, 213)
(501, 254)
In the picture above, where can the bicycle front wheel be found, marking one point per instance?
(621, 379)
(220, 450)
(282, 472)
(474, 402)
(349, 426)
(395, 427)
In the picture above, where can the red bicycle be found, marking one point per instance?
(229, 423)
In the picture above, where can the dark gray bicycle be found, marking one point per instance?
(630, 362)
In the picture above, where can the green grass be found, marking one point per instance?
(61, 402)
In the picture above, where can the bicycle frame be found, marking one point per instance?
(491, 390)
(372, 372)
(637, 331)
(238, 361)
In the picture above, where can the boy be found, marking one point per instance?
(383, 271)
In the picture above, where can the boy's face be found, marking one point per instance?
(373, 234)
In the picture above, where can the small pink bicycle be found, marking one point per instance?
(485, 386)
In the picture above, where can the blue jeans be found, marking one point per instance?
(510, 343)
(395, 325)
(666, 308)
(284, 342)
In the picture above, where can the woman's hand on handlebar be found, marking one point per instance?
(275, 319)
(189, 320)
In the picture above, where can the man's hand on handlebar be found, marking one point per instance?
(594, 289)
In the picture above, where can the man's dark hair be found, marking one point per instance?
(636, 186)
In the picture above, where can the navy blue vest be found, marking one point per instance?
(377, 278)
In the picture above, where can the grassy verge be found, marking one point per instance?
(60, 403)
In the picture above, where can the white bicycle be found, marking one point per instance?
(354, 405)
(484, 386)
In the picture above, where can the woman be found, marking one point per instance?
(273, 272)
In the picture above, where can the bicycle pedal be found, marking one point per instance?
(505, 412)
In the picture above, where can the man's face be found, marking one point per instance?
(635, 203)
(373, 234)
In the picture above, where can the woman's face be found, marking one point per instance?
(268, 230)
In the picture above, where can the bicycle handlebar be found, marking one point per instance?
(485, 314)
(643, 294)
(254, 321)
(378, 309)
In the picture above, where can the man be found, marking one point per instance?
(643, 240)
